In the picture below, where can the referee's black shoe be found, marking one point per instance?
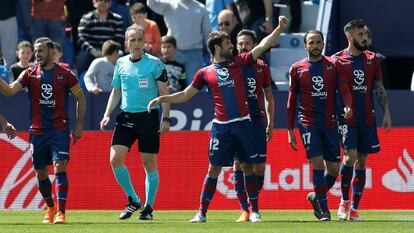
(130, 208)
(146, 214)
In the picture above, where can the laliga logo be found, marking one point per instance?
(21, 180)
(288, 179)
(223, 74)
(401, 179)
(358, 76)
(47, 91)
(317, 83)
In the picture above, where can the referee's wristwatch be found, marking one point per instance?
(167, 119)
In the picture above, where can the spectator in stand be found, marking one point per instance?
(256, 15)
(175, 70)
(48, 19)
(188, 22)
(76, 9)
(24, 54)
(214, 7)
(152, 33)
(228, 23)
(94, 29)
(57, 56)
(8, 32)
(98, 78)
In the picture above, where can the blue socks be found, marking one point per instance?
(122, 177)
(152, 181)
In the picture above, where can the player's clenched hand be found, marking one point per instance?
(347, 112)
(76, 134)
(10, 130)
(283, 21)
(152, 103)
(269, 134)
(292, 140)
(104, 122)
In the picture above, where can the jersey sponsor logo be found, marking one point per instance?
(47, 94)
(401, 179)
(318, 85)
(143, 83)
(252, 86)
(359, 79)
(223, 75)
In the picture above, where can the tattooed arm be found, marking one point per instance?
(382, 99)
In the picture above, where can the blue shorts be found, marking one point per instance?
(362, 138)
(229, 139)
(259, 139)
(320, 141)
(48, 147)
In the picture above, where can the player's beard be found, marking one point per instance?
(227, 55)
(361, 47)
(315, 54)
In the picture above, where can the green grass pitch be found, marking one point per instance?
(217, 222)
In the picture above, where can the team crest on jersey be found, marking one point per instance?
(329, 67)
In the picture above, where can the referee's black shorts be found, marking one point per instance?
(143, 126)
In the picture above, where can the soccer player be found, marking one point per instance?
(258, 82)
(312, 89)
(362, 69)
(230, 133)
(49, 85)
(7, 127)
(138, 78)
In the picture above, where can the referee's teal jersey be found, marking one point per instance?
(137, 81)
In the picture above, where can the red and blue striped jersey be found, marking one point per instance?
(312, 90)
(256, 77)
(225, 82)
(360, 72)
(48, 92)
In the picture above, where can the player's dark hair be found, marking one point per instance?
(169, 40)
(312, 31)
(354, 24)
(57, 46)
(216, 38)
(246, 32)
(109, 47)
(49, 43)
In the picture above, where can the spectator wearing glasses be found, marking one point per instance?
(151, 30)
(228, 23)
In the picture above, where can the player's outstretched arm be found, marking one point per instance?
(113, 101)
(176, 98)
(267, 42)
(10, 90)
(7, 127)
(382, 99)
(80, 112)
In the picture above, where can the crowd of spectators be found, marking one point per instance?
(82, 28)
